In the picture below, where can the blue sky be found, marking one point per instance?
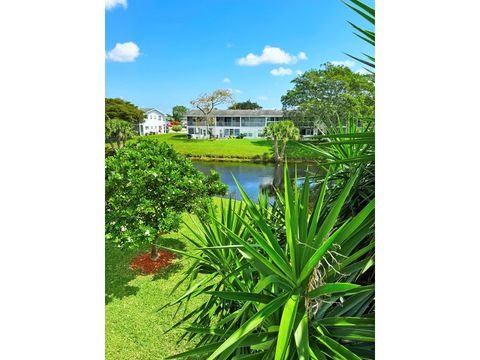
(162, 53)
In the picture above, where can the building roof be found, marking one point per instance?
(246, 113)
(147, 110)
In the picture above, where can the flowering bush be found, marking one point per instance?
(147, 186)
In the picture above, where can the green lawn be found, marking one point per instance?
(134, 326)
(245, 149)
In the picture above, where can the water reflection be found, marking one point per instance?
(252, 176)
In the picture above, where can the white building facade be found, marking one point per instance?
(230, 123)
(155, 122)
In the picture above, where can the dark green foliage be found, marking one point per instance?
(148, 185)
(323, 96)
(124, 110)
(179, 112)
(245, 105)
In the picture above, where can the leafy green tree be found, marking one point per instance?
(178, 112)
(281, 131)
(118, 131)
(124, 110)
(245, 105)
(148, 186)
(330, 93)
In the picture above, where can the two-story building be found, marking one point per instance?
(230, 123)
(155, 122)
(233, 123)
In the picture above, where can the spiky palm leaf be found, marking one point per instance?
(296, 300)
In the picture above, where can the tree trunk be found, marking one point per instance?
(154, 253)
(112, 146)
(282, 154)
(275, 148)
(278, 176)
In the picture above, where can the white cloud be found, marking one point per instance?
(229, 45)
(271, 55)
(302, 56)
(281, 71)
(298, 72)
(347, 63)
(235, 91)
(261, 97)
(227, 80)
(110, 4)
(126, 52)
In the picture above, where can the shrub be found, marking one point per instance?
(177, 128)
(147, 186)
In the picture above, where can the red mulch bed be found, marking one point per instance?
(148, 266)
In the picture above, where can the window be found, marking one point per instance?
(253, 121)
(191, 131)
(273, 119)
(228, 121)
(196, 121)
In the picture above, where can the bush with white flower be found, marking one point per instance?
(147, 187)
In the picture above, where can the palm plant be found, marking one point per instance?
(119, 131)
(346, 149)
(368, 13)
(281, 131)
(297, 299)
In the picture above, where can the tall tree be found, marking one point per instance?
(147, 187)
(178, 112)
(206, 103)
(245, 105)
(330, 94)
(116, 108)
(281, 131)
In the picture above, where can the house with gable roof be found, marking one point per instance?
(155, 122)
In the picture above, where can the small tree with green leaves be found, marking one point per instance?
(245, 105)
(118, 131)
(281, 131)
(148, 186)
(179, 112)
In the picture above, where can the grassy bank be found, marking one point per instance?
(134, 326)
(228, 149)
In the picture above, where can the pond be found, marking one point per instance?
(252, 176)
